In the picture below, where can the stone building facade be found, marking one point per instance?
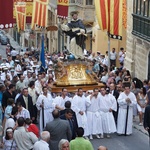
(138, 38)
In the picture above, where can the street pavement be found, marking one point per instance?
(139, 140)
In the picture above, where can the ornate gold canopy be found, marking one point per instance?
(73, 73)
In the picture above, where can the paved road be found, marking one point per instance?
(3, 50)
(137, 141)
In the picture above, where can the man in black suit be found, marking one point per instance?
(72, 121)
(147, 119)
(115, 93)
(26, 101)
(59, 129)
(9, 93)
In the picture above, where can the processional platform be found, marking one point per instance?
(73, 75)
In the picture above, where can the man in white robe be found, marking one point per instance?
(107, 104)
(59, 101)
(93, 115)
(45, 101)
(126, 98)
(38, 85)
(79, 107)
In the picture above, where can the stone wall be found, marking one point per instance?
(137, 50)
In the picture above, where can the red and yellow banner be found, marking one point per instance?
(109, 14)
(29, 9)
(40, 13)
(21, 17)
(62, 8)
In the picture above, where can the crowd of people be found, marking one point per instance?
(35, 118)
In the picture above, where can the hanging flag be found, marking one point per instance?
(42, 56)
(62, 8)
(101, 7)
(40, 13)
(6, 14)
(109, 15)
(20, 17)
(29, 8)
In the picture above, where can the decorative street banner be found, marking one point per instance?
(109, 14)
(40, 13)
(20, 17)
(29, 9)
(6, 14)
(62, 8)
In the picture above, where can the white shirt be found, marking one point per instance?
(38, 87)
(23, 113)
(41, 145)
(32, 93)
(60, 101)
(113, 56)
(13, 53)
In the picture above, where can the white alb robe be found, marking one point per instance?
(79, 104)
(121, 122)
(48, 108)
(60, 101)
(106, 102)
(93, 116)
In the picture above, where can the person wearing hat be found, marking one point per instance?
(18, 68)
(76, 30)
(4, 73)
(5, 63)
(49, 61)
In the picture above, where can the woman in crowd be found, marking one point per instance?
(142, 101)
(8, 141)
(127, 76)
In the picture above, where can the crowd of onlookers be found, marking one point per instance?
(30, 111)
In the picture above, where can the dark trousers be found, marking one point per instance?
(35, 112)
(113, 62)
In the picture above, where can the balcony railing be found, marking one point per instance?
(141, 27)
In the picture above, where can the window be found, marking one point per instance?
(141, 19)
(141, 7)
(89, 2)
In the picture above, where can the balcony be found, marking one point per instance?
(141, 27)
(85, 8)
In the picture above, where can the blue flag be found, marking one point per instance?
(42, 56)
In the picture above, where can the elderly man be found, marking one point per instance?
(63, 144)
(59, 129)
(43, 143)
(26, 101)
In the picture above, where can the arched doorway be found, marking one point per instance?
(148, 76)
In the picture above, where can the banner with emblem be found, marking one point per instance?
(109, 14)
(6, 14)
(62, 8)
(40, 13)
(20, 17)
(29, 9)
